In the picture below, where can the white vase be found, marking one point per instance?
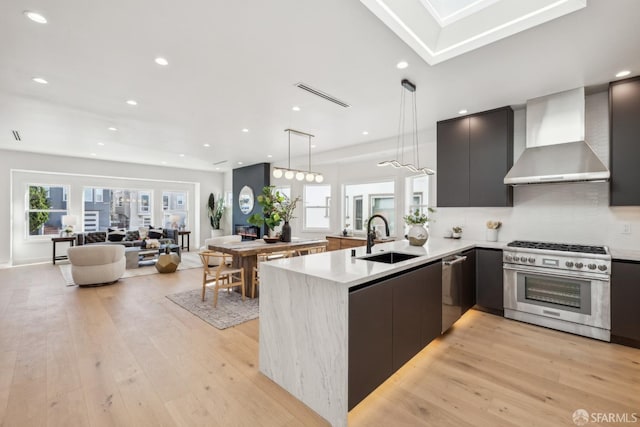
(417, 235)
(492, 234)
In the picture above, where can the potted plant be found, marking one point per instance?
(417, 234)
(215, 210)
(276, 208)
(457, 232)
(492, 230)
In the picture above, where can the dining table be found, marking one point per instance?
(245, 253)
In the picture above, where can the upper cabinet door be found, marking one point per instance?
(491, 155)
(624, 100)
(453, 163)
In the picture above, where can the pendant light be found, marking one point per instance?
(299, 175)
(414, 168)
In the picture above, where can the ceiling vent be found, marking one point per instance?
(219, 163)
(16, 135)
(322, 94)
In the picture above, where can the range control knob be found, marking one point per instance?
(569, 264)
(602, 267)
(532, 260)
(592, 266)
(579, 265)
(516, 259)
(508, 257)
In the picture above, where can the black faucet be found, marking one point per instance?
(371, 235)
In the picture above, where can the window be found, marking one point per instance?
(316, 206)
(285, 190)
(367, 199)
(417, 194)
(127, 209)
(46, 206)
(175, 213)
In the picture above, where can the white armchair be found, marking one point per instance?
(95, 265)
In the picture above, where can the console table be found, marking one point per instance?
(56, 240)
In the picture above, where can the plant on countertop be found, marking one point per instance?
(457, 229)
(215, 209)
(417, 217)
(276, 208)
(493, 225)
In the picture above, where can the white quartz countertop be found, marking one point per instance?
(625, 254)
(343, 269)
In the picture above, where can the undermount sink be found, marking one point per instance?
(389, 257)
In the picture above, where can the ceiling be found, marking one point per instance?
(234, 65)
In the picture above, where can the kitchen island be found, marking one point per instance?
(304, 317)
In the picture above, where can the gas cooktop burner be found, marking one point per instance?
(598, 250)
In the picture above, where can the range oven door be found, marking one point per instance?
(579, 298)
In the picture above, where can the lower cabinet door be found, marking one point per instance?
(370, 339)
(409, 299)
(468, 286)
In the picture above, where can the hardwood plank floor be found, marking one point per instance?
(125, 355)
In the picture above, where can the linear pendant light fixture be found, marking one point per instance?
(298, 174)
(415, 168)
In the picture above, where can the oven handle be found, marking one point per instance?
(549, 272)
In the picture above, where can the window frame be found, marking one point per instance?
(327, 209)
(28, 210)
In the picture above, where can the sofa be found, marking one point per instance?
(131, 238)
(96, 265)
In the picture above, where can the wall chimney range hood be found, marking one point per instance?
(555, 147)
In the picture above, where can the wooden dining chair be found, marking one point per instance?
(217, 271)
(311, 250)
(255, 278)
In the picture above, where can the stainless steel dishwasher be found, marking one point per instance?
(451, 290)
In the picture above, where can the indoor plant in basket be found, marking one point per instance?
(276, 208)
(418, 234)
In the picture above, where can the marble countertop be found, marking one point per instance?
(625, 254)
(343, 269)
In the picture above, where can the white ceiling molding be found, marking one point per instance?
(466, 26)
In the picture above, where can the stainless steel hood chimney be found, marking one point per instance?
(555, 147)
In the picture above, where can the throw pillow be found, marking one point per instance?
(132, 236)
(144, 232)
(155, 233)
(153, 243)
(116, 234)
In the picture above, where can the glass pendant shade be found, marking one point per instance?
(277, 173)
(289, 174)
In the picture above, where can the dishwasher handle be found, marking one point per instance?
(457, 259)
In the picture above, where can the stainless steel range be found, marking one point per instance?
(559, 286)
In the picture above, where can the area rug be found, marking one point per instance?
(189, 260)
(231, 310)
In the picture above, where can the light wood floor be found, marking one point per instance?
(125, 355)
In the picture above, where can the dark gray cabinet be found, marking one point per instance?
(625, 295)
(624, 110)
(468, 290)
(390, 322)
(474, 154)
(489, 287)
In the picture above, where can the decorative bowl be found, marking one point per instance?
(271, 239)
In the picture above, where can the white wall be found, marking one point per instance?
(78, 172)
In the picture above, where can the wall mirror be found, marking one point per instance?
(245, 200)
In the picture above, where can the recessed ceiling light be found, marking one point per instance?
(217, 169)
(402, 65)
(364, 132)
(206, 145)
(40, 80)
(132, 102)
(313, 145)
(623, 73)
(245, 130)
(163, 162)
(101, 143)
(161, 61)
(112, 129)
(93, 154)
(181, 155)
(35, 17)
(462, 112)
(295, 108)
(240, 163)
(269, 156)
